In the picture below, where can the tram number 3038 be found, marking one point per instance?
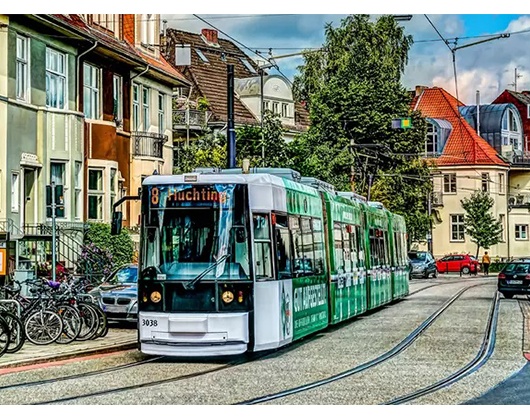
(149, 323)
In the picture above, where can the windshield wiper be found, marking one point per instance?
(191, 284)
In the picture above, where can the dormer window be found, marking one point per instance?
(105, 21)
(248, 65)
(201, 55)
(511, 130)
(148, 29)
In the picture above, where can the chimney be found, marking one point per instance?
(420, 89)
(210, 35)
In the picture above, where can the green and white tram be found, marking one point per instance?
(233, 262)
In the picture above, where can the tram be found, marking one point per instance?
(234, 262)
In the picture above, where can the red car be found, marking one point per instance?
(456, 263)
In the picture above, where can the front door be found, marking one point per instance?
(30, 197)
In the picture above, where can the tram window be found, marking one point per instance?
(294, 225)
(319, 246)
(308, 254)
(262, 247)
(359, 238)
(353, 246)
(347, 247)
(339, 254)
(284, 254)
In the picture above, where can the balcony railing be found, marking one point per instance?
(519, 200)
(437, 199)
(191, 118)
(523, 160)
(148, 144)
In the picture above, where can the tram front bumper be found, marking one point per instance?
(182, 335)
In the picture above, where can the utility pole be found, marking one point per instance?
(54, 239)
(231, 137)
(516, 76)
(429, 210)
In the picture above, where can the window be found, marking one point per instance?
(266, 105)
(148, 30)
(450, 183)
(91, 86)
(284, 252)
(136, 107)
(248, 65)
(161, 112)
(431, 145)
(262, 246)
(346, 246)
(113, 184)
(201, 55)
(285, 110)
(117, 89)
(275, 108)
(106, 21)
(318, 242)
(57, 171)
(145, 108)
(521, 232)
(511, 132)
(22, 72)
(457, 227)
(15, 191)
(502, 221)
(501, 183)
(55, 79)
(78, 190)
(95, 194)
(485, 181)
(306, 263)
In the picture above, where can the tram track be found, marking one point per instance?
(483, 355)
(399, 348)
(239, 361)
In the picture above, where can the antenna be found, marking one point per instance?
(516, 76)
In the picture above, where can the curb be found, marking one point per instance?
(38, 360)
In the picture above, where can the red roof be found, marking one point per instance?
(464, 146)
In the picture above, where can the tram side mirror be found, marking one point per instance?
(115, 227)
(240, 235)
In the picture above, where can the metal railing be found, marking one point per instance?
(519, 200)
(183, 118)
(149, 144)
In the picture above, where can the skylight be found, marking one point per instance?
(248, 65)
(201, 55)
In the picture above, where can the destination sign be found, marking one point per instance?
(187, 195)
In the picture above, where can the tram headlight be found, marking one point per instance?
(155, 296)
(240, 296)
(227, 296)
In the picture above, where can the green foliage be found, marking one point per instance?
(102, 251)
(202, 104)
(353, 90)
(207, 151)
(250, 145)
(480, 224)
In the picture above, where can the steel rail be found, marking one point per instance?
(404, 344)
(483, 355)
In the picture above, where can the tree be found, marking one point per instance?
(207, 151)
(273, 147)
(353, 90)
(479, 223)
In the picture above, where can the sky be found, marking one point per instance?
(290, 27)
(488, 67)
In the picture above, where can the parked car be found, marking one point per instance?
(457, 263)
(422, 264)
(514, 279)
(118, 294)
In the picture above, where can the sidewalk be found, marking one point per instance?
(116, 339)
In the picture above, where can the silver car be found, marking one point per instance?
(118, 294)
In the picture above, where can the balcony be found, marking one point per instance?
(149, 144)
(519, 201)
(437, 199)
(189, 118)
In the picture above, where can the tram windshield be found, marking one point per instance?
(189, 228)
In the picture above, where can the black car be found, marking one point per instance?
(514, 279)
(422, 264)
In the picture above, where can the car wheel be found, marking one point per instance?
(508, 295)
(465, 270)
(425, 274)
(435, 274)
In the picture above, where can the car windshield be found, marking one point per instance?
(517, 268)
(125, 275)
(418, 257)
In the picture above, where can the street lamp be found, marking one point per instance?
(402, 17)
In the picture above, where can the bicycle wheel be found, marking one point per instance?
(89, 321)
(103, 323)
(43, 327)
(4, 336)
(71, 323)
(16, 333)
